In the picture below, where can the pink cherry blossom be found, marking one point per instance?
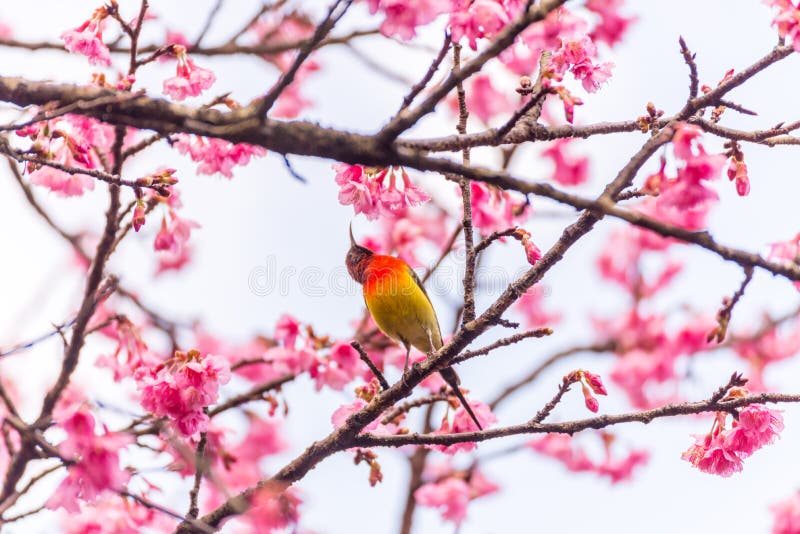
(710, 456)
(67, 141)
(287, 330)
(483, 99)
(189, 79)
(773, 345)
(175, 37)
(279, 28)
(620, 262)
(181, 387)
(522, 58)
(568, 100)
(62, 183)
(685, 141)
(786, 515)
(757, 426)
(283, 361)
(216, 155)
(612, 25)
(168, 261)
(787, 252)
(569, 170)
(364, 188)
(647, 366)
(272, 510)
(342, 413)
(567, 450)
(621, 469)
(592, 75)
(96, 468)
(264, 437)
(686, 199)
(112, 513)
(576, 56)
(174, 235)
(787, 20)
(590, 383)
(402, 17)
(462, 422)
(476, 19)
(356, 189)
(131, 351)
(737, 171)
(87, 39)
(327, 373)
(452, 494)
(722, 450)
(531, 306)
(6, 31)
(532, 252)
(494, 209)
(393, 200)
(138, 218)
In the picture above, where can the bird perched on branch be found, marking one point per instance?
(400, 306)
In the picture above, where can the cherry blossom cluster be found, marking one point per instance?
(87, 39)
(787, 252)
(189, 80)
(722, 450)
(787, 20)
(451, 490)
(787, 515)
(367, 190)
(566, 450)
(181, 387)
(73, 141)
(216, 155)
(94, 459)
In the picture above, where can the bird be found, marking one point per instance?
(400, 306)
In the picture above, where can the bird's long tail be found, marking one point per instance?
(449, 375)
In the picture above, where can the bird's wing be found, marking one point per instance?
(437, 341)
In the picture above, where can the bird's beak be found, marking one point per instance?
(352, 239)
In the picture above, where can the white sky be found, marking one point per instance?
(263, 214)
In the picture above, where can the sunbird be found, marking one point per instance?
(400, 306)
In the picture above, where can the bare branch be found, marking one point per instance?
(572, 427)
(365, 358)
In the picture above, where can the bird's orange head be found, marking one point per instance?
(358, 259)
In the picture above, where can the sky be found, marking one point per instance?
(264, 220)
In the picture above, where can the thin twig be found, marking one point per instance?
(491, 238)
(544, 365)
(504, 342)
(199, 469)
(724, 313)
(267, 101)
(365, 358)
(689, 58)
(542, 414)
(423, 83)
(212, 15)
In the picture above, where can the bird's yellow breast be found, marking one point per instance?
(399, 305)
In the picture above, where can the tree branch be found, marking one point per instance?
(572, 427)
